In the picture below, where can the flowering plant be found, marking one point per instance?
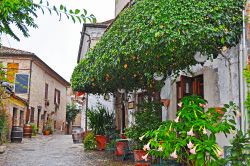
(190, 138)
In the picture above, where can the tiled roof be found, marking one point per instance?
(11, 51)
(6, 51)
(107, 22)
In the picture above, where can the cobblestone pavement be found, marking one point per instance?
(55, 150)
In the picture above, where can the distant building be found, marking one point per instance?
(34, 81)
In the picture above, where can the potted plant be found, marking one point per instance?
(89, 141)
(33, 129)
(99, 122)
(48, 127)
(146, 118)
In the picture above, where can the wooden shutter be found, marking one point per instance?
(46, 90)
(55, 97)
(12, 69)
(59, 96)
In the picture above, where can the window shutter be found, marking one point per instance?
(46, 90)
(59, 96)
(55, 97)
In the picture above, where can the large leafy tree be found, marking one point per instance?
(22, 13)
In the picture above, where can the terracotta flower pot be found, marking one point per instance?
(120, 146)
(46, 132)
(123, 136)
(101, 142)
(139, 161)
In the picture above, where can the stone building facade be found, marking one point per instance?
(34, 81)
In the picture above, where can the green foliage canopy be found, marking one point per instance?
(157, 36)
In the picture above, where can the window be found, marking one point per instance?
(21, 83)
(46, 91)
(12, 69)
(190, 86)
(57, 97)
(32, 115)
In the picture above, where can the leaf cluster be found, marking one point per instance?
(240, 150)
(22, 14)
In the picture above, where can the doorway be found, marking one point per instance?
(38, 118)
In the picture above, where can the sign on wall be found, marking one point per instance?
(21, 83)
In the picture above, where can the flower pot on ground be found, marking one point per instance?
(140, 159)
(101, 122)
(46, 132)
(120, 146)
(101, 142)
(48, 127)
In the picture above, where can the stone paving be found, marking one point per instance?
(54, 150)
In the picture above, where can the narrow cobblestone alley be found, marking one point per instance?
(55, 150)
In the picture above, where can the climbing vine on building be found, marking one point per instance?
(158, 37)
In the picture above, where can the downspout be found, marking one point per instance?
(86, 112)
(28, 109)
(243, 88)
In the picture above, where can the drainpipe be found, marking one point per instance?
(86, 118)
(243, 88)
(27, 118)
(86, 121)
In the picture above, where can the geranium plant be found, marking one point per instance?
(190, 138)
